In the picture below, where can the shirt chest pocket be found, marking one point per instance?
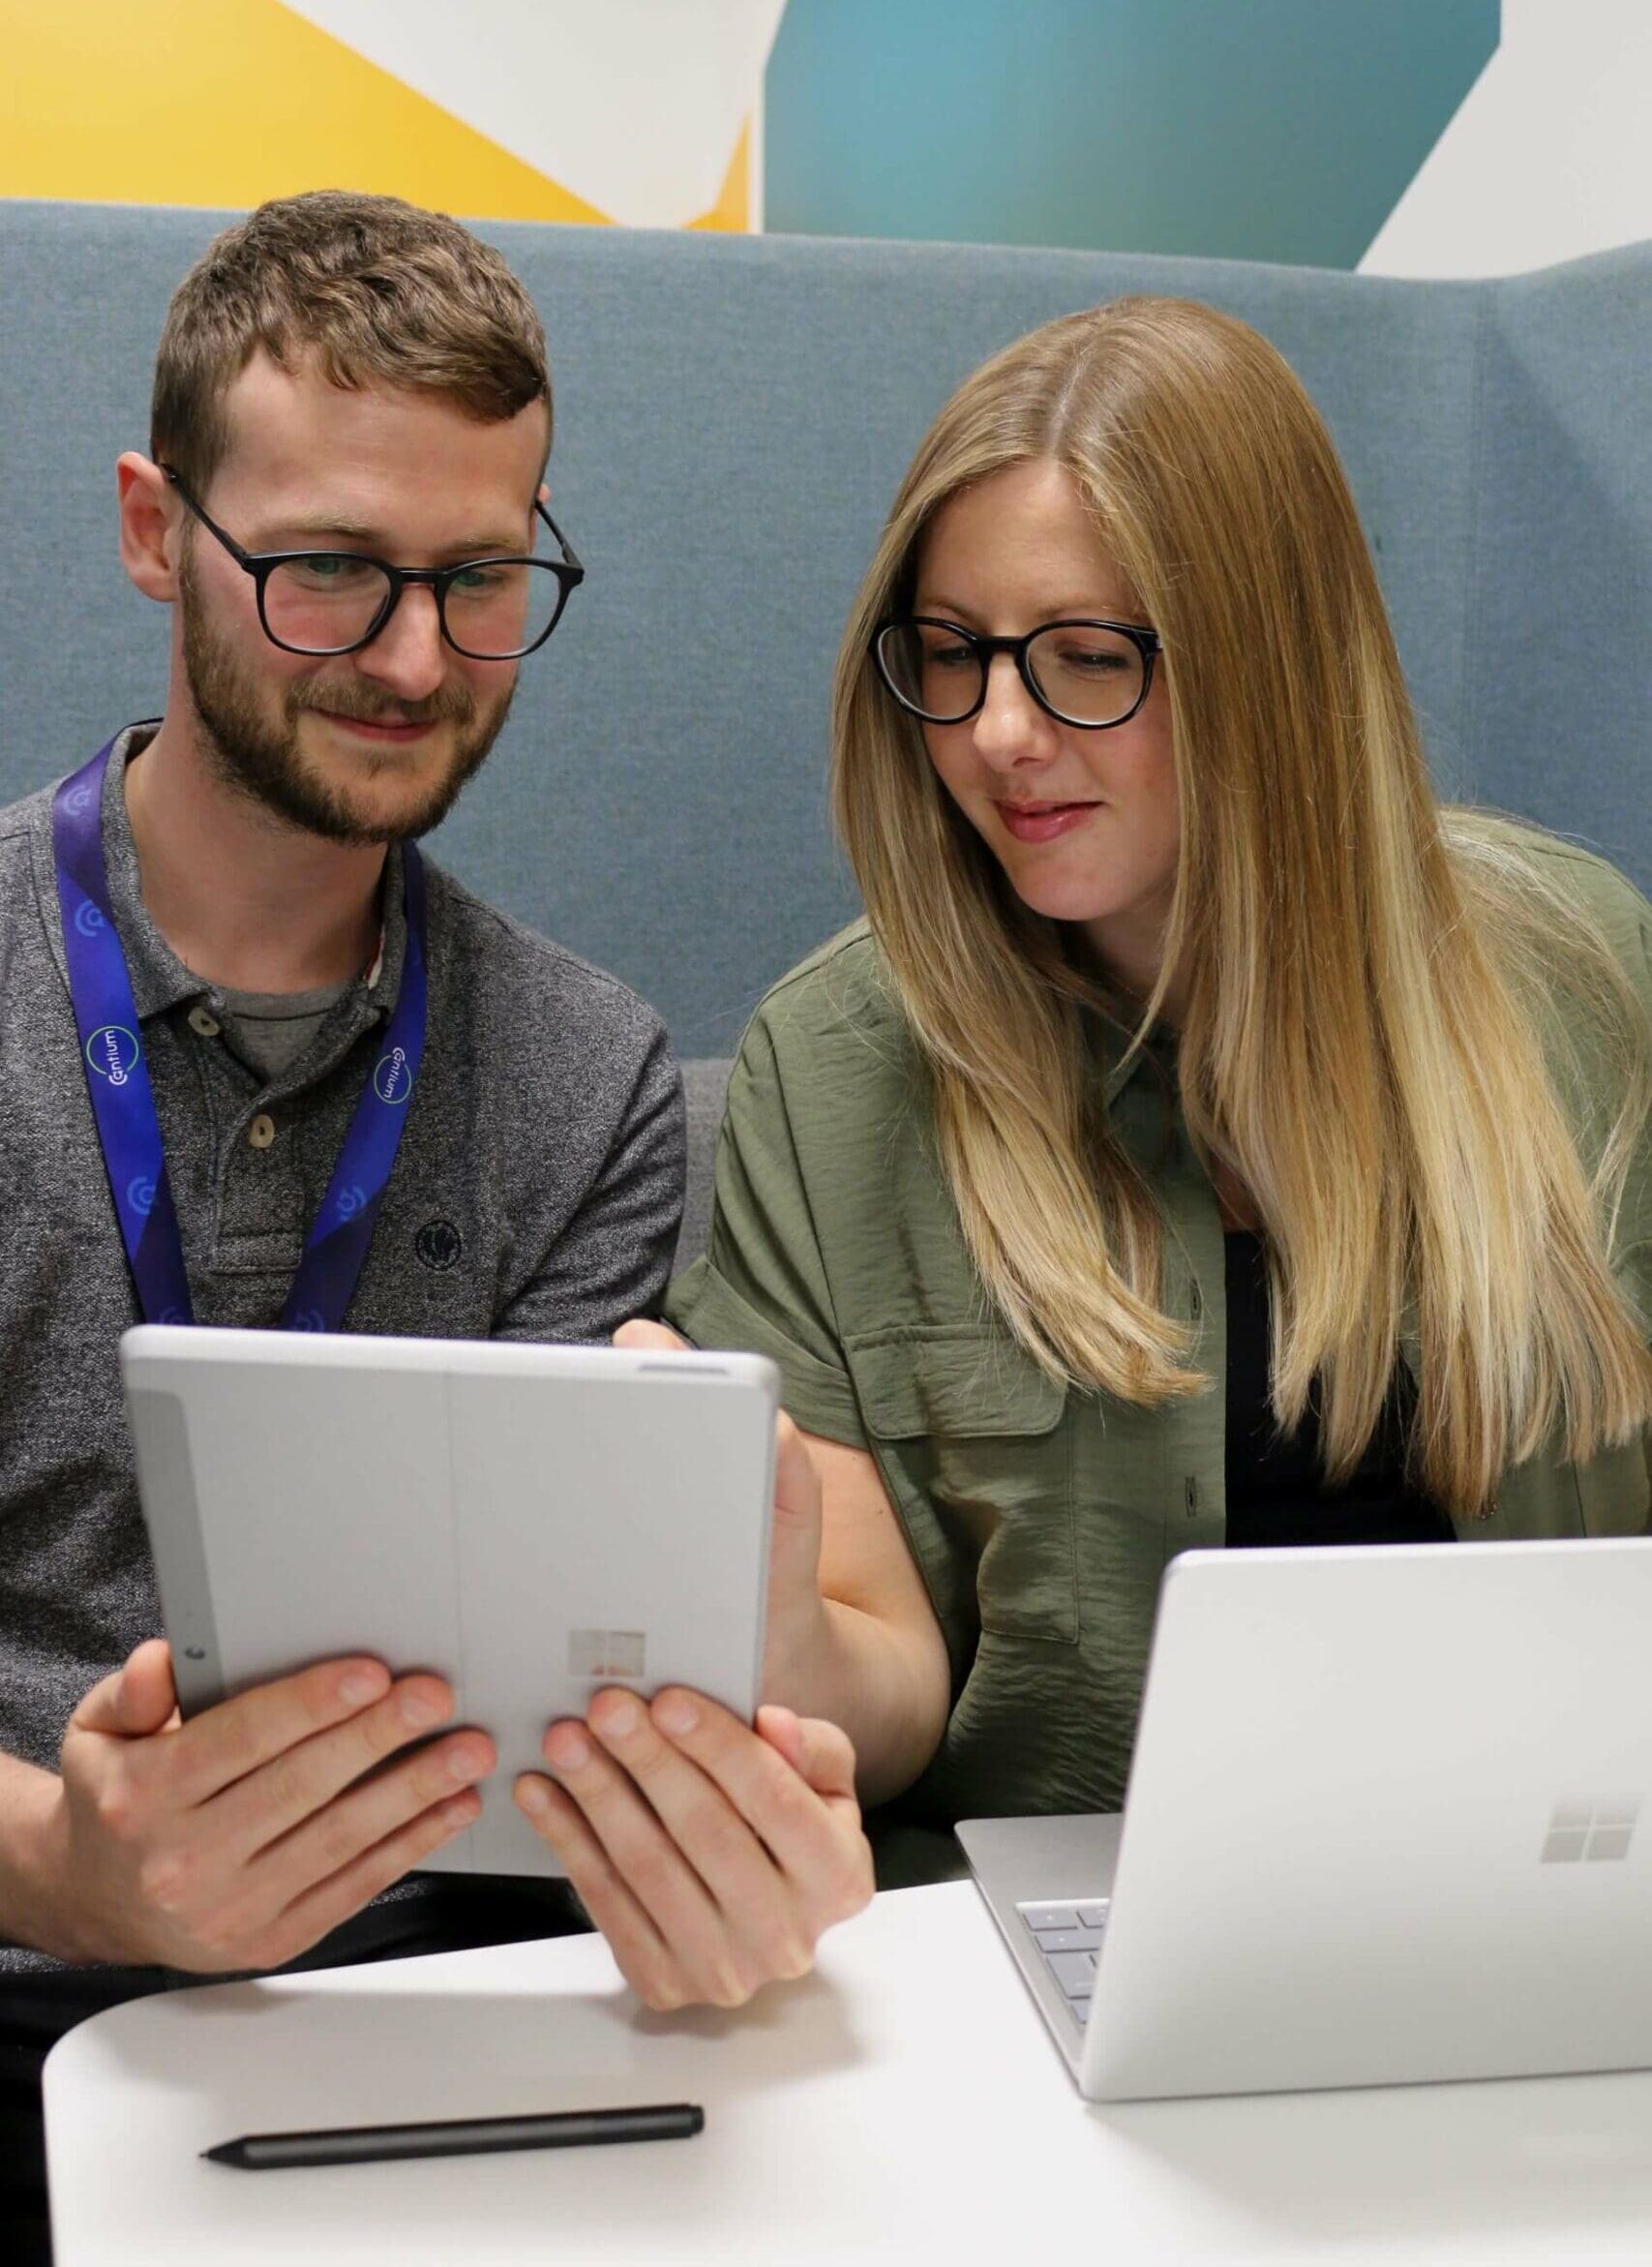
(978, 1430)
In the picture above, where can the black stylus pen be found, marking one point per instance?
(563, 2128)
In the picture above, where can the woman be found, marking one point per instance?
(1206, 1138)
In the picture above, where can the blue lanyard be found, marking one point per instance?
(123, 1103)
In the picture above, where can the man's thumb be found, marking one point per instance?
(138, 1699)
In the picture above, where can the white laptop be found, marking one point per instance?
(534, 1521)
(1389, 1819)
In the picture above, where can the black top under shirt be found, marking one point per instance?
(1276, 1491)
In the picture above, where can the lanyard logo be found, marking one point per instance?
(392, 1079)
(112, 1052)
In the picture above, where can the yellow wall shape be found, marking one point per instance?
(733, 208)
(228, 102)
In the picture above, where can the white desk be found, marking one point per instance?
(904, 2103)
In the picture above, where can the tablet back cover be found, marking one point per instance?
(532, 1523)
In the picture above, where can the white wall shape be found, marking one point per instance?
(1549, 157)
(633, 105)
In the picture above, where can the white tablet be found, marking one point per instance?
(533, 1522)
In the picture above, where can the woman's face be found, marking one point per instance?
(1084, 823)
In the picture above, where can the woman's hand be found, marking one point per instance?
(713, 1856)
(796, 1622)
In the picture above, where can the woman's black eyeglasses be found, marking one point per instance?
(1092, 674)
(322, 602)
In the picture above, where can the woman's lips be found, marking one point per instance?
(1043, 821)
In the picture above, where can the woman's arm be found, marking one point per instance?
(852, 1634)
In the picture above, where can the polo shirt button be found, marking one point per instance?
(205, 1024)
(261, 1131)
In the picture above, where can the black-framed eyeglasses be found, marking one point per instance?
(1092, 674)
(327, 602)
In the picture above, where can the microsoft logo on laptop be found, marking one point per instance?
(1600, 1829)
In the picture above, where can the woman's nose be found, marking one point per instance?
(1009, 726)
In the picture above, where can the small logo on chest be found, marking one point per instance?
(440, 1246)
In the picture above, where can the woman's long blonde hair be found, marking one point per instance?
(1370, 982)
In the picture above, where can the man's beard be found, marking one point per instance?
(263, 760)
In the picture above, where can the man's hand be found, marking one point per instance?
(711, 1856)
(239, 1838)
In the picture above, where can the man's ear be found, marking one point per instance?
(151, 526)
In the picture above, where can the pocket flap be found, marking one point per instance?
(965, 1382)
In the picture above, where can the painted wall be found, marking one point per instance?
(1410, 137)
(1269, 129)
(1550, 157)
(632, 110)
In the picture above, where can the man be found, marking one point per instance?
(352, 412)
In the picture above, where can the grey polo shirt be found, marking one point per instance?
(536, 1195)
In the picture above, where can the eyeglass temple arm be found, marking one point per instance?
(241, 557)
(570, 556)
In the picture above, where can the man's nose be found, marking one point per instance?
(409, 657)
(1009, 726)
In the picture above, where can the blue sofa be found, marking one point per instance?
(733, 415)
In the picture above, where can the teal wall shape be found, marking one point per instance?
(1279, 129)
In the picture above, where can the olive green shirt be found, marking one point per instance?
(1040, 1518)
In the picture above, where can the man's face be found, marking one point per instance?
(375, 746)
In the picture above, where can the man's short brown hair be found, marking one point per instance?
(373, 291)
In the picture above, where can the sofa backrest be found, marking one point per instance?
(733, 417)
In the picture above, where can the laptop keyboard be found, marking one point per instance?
(1067, 1936)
